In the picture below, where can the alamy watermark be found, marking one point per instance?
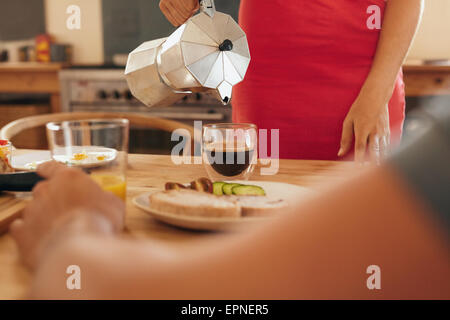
(374, 280)
(374, 19)
(73, 281)
(254, 141)
(73, 22)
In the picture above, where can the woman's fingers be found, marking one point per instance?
(186, 6)
(384, 146)
(168, 13)
(360, 145)
(346, 138)
(178, 11)
(197, 7)
(377, 145)
(374, 148)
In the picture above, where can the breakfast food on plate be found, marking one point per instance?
(227, 188)
(174, 186)
(247, 190)
(193, 203)
(256, 206)
(218, 188)
(5, 166)
(221, 199)
(91, 156)
(79, 156)
(202, 184)
(202, 198)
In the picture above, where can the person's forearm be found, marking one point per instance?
(73, 225)
(401, 20)
(321, 251)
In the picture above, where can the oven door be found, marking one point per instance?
(152, 141)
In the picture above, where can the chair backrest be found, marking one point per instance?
(15, 127)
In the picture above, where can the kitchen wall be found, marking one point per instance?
(88, 41)
(433, 39)
(127, 24)
(431, 42)
(112, 26)
(21, 19)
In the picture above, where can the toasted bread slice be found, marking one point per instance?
(195, 204)
(257, 206)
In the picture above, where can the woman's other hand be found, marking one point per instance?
(368, 118)
(65, 194)
(367, 123)
(178, 11)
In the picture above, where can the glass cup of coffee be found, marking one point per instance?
(229, 150)
(98, 146)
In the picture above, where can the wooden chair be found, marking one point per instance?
(15, 127)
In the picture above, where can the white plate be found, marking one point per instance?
(276, 190)
(92, 152)
(29, 161)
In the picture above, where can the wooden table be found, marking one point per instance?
(32, 77)
(147, 172)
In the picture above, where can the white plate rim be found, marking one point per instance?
(207, 223)
(86, 165)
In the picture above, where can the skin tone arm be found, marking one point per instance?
(321, 250)
(178, 11)
(367, 122)
(59, 200)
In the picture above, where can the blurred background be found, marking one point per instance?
(83, 69)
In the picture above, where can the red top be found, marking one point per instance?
(309, 61)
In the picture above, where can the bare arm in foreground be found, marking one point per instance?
(320, 251)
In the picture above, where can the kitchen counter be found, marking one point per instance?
(147, 172)
(426, 80)
(32, 77)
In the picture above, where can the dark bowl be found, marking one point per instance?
(19, 181)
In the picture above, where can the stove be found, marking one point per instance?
(104, 89)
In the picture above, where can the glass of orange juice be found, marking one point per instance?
(98, 146)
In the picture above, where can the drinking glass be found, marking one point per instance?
(229, 150)
(99, 147)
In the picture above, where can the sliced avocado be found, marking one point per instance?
(227, 188)
(248, 190)
(217, 188)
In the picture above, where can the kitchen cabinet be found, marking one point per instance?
(32, 77)
(30, 138)
(426, 80)
(29, 78)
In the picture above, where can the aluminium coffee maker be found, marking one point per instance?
(209, 53)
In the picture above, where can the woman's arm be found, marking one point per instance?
(400, 24)
(368, 120)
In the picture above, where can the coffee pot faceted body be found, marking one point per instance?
(209, 53)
